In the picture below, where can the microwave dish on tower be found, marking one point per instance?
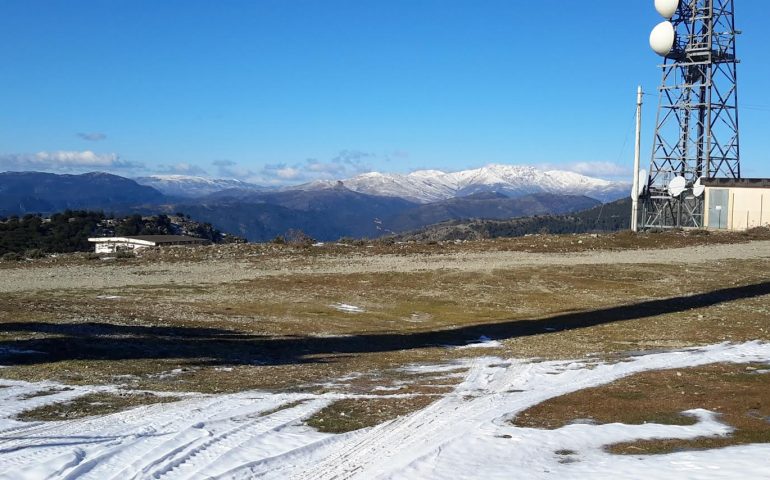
(662, 38)
(666, 8)
(677, 186)
(698, 188)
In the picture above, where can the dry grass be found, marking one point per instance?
(92, 404)
(737, 392)
(353, 414)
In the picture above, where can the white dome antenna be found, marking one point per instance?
(662, 38)
(666, 8)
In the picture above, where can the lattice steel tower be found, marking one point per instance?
(696, 133)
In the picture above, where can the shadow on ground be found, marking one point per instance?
(103, 341)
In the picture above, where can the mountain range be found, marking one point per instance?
(33, 192)
(369, 205)
(422, 186)
(187, 186)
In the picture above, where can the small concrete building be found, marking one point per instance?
(737, 204)
(116, 244)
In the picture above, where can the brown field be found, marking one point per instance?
(230, 318)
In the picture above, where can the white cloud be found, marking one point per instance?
(182, 168)
(92, 136)
(230, 169)
(600, 169)
(346, 164)
(66, 161)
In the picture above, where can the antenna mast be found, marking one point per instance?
(635, 190)
(696, 132)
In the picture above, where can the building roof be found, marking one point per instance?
(165, 238)
(153, 239)
(737, 182)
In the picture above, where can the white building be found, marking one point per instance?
(737, 204)
(115, 244)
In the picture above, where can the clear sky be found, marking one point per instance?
(289, 90)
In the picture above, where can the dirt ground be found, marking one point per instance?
(236, 317)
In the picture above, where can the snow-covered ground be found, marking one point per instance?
(465, 434)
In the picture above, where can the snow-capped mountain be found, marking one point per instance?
(422, 186)
(191, 186)
(425, 186)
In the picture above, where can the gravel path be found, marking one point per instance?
(116, 275)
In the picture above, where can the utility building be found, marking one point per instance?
(737, 203)
(116, 244)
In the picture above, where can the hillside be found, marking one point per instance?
(608, 217)
(38, 192)
(326, 214)
(69, 231)
(491, 206)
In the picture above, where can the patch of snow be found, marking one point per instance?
(483, 342)
(440, 368)
(108, 297)
(344, 307)
(465, 434)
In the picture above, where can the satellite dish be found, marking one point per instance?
(676, 186)
(662, 38)
(666, 8)
(698, 188)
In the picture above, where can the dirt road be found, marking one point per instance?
(106, 275)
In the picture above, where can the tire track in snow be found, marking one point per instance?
(484, 403)
(202, 455)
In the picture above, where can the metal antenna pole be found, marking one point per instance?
(637, 154)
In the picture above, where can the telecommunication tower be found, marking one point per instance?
(696, 132)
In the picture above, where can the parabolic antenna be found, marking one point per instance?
(676, 186)
(698, 188)
(666, 8)
(662, 38)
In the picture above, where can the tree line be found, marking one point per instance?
(68, 231)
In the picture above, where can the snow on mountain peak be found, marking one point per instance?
(423, 186)
(433, 185)
(191, 186)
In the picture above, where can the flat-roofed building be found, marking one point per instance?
(136, 242)
(737, 204)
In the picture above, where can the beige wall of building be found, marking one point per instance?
(744, 208)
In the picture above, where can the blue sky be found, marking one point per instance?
(285, 91)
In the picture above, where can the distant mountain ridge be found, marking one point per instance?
(425, 186)
(422, 186)
(38, 192)
(186, 186)
(324, 210)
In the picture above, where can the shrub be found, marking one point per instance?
(11, 257)
(298, 238)
(34, 253)
(125, 254)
